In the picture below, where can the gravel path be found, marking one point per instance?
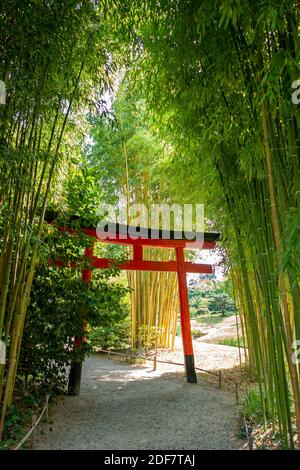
(213, 333)
(207, 355)
(131, 407)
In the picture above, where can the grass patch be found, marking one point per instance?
(232, 342)
(265, 431)
(253, 406)
(209, 319)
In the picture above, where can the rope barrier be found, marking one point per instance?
(216, 374)
(35, 423)
(155, 360)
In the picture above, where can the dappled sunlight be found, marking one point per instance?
(124, 406)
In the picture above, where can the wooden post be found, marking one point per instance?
(186, 333)
(75, 378)
(237, 394)
(33, 436)
(47, 407)
(76, 368)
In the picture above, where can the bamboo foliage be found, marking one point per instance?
(154, 301)
(224, 101)
(46, 83)
(127, 157)
(154, 296)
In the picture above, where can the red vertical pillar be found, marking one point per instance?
(86, 272)
(185, 318)
(76, 368)
(137, 252)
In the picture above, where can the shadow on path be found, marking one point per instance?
(130, 407)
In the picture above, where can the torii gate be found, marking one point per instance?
(138, 238)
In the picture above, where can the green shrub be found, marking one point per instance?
(197, 333)
(60, 301)
(117, 337)
(253, 406)
(147, 337)
(221, 303)
(199, 311)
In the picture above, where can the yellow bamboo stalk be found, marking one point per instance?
(282, 283)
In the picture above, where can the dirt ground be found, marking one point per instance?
(208, 356)
(213, 333)
(124, 406)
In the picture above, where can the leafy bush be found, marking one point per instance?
(196, 296)
(194, 313)
(13, 424)
(221, 303)
(215, 297)
(202, 311)
(60, 302)
(197, 333)
(147, 337)
(115, 337)
(253, 406)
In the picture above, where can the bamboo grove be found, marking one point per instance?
(209, 119)
(154, 296)
(219, 76)
(134, 157)
(55, 65)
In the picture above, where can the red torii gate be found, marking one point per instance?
(138, 238)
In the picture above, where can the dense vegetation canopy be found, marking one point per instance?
(177, 101)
